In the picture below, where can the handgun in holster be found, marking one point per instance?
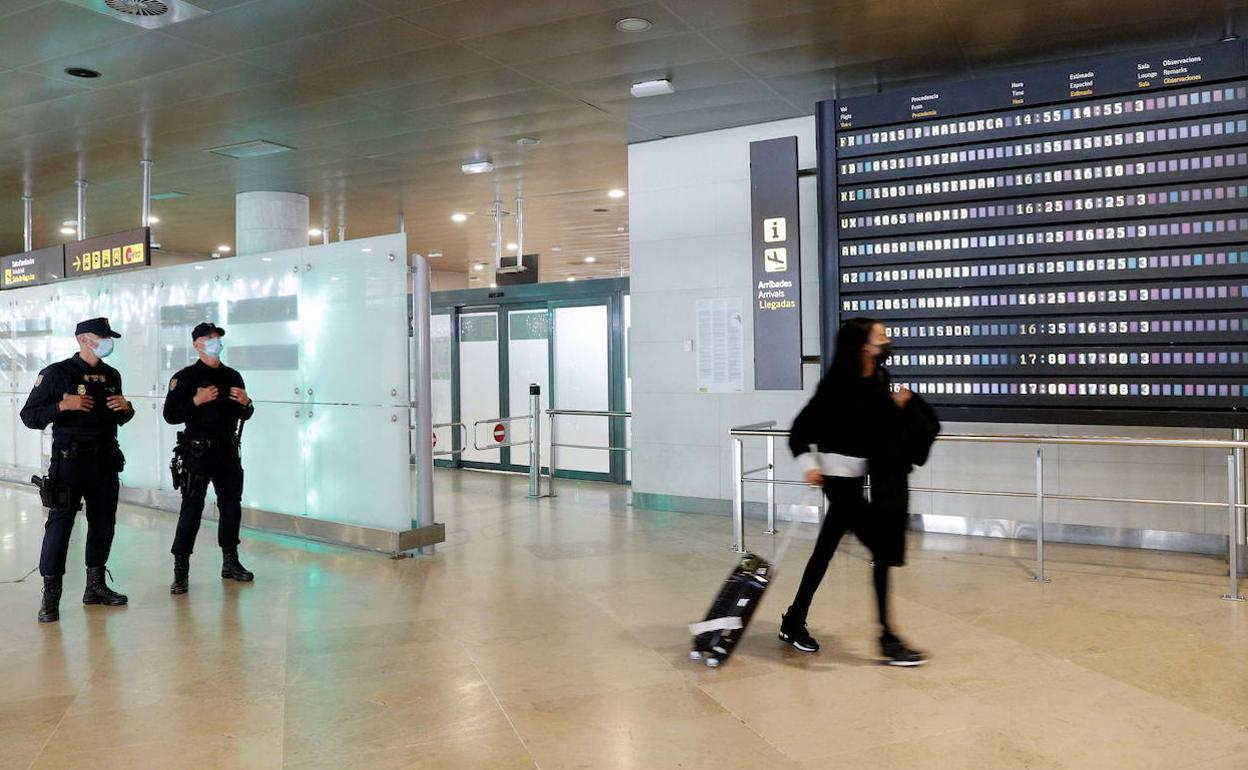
(53, 494)
(177, 465)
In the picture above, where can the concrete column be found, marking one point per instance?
(269, 221)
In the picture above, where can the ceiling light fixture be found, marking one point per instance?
(478, 267)
(153, 220)
(591, 260)
(477, 166)
(257, 148)
(314, 232)
(459, 217)
(511, 247)
(556, 248)
(81, 72)
(616, 193)
(223, 248)
(571, 278)
(652, 88)
(633, 24)
(434, 254)
(528, 141)
(68, 230)
(70, 223)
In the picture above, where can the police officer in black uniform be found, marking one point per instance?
(81, 398)
(211, 399)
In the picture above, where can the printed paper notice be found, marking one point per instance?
(721, 354)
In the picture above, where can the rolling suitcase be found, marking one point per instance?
(717, 635)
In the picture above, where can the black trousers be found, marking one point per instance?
(225, 472)
(847, 511)
(90, 482)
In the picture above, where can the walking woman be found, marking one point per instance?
(855, 425)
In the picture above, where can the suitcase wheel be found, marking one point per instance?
(712, 662)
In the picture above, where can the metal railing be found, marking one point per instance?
(555, 446)
(463, 438)
(1234, 471)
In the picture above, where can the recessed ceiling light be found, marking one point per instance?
(68, 230)
(223, 248)
(619, 229)
(556, 248)
(616, 193)
(511, 247)
(478, 267)
(633, 24)
(459, 217)
(591, 260)
(434, 254)
(73, 223)
(477, 166)
(153, 220)
(314, 232)
(571, 278)
(81, 72)
(493, 286)
(528, 141)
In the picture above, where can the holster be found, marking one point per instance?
(177, 465)
(53, 494)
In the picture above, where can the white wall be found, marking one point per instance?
(689, 232)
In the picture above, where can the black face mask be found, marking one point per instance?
(886, 350)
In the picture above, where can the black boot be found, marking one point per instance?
(50, 610)
(98, 591)
(181, 575)
(232, 568)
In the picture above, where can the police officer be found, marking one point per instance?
(81, 399)
(211, 399)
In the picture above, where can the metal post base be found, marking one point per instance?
(1229, 598)
(1040, 579)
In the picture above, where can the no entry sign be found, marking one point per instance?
(500, 433)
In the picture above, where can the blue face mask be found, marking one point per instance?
(213, 347)
(104, 347)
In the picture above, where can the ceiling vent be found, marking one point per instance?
(257, 148)
(149, 14)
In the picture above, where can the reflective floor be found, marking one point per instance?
(552, 634)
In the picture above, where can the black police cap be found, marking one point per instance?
(204, 329)
(97, 326)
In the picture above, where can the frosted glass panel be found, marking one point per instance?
(10, 427)
(528, 360)
(330, 317)
(352, 308)
(140, 442)
(478, 379)
(582, 381)
(440, 339)
(350, 458)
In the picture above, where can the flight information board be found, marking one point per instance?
(1066, 245)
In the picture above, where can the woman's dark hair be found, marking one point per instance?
(850, 339)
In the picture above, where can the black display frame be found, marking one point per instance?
(894, 119)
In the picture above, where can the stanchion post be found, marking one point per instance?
(535, 438)
(738, 496)
(1039, 576)
(554, 451)
(1232, 527)
(771, 485)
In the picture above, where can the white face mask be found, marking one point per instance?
(104, 347)
(213, 347)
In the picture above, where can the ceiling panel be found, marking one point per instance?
(695, 121)
(474, 18)
(52, 30)
(644, 56)
(125, 60)
(572, 35)
(716, 72)
(457, 88)
(701, 14)
(342, 47)
(264, 22)
(18, 89)
(404, 69)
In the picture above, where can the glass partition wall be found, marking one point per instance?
(569, 339)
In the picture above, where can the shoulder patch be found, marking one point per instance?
(39, 380)
(173, 384)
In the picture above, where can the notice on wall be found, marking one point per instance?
(777, 261)
(720, 346)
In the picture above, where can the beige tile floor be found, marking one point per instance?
(552, 634)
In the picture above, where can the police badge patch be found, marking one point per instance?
(82, 390)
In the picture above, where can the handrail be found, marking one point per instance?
(1233, 504)
(463, 438)
(555, 445)
(495, 420)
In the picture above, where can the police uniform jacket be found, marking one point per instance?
(76, 377)
(216, 420)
